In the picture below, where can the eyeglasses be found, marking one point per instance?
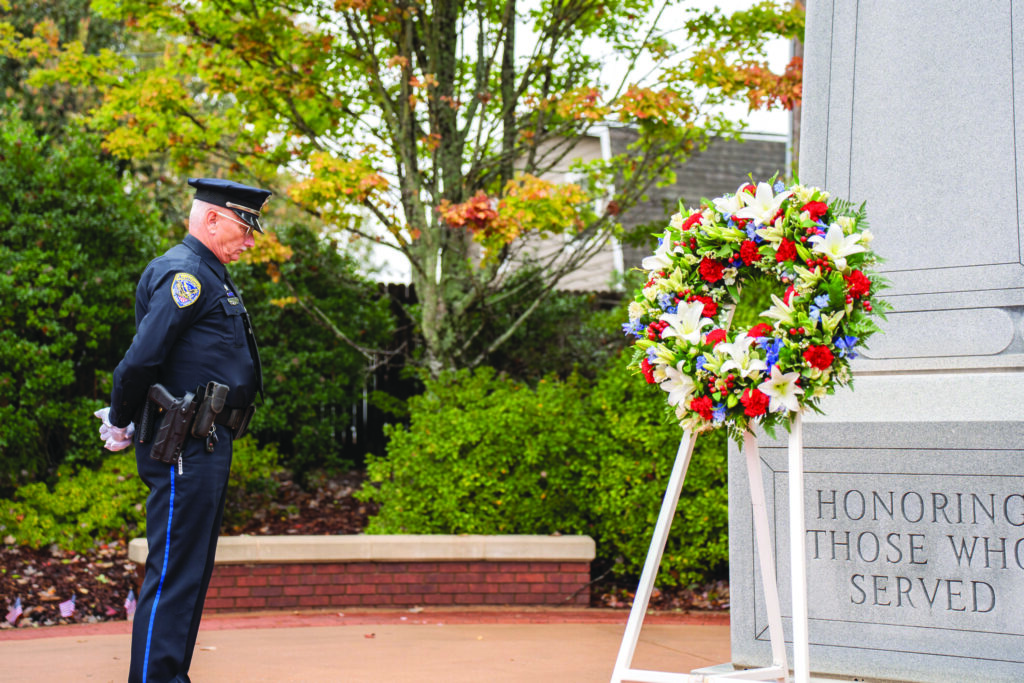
(248, 228)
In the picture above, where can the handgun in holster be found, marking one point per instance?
(174, 427)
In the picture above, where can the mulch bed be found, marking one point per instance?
(101, 579)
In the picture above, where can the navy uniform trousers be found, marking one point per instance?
(183, 517)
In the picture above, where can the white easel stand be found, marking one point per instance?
(779, 669)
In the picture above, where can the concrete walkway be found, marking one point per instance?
(478, 646)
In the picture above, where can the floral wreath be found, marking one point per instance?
(814, 246)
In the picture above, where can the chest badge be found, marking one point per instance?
(185, 289)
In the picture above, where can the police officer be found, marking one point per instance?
(192, 328)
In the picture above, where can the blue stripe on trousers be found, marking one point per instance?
(163, 574)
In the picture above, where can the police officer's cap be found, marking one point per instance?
(247, 202)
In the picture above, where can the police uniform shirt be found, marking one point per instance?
(192, 328)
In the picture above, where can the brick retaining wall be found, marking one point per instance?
(317, 572)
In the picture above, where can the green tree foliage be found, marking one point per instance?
(72, 245)
(30, 36)
(445, 127)
(306, 312)
(485, 454)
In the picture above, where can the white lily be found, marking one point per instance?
(772, 233)
(803, 194)
(836, 245)
(676, 221)
(780, 311)
(686, 323)
(830, 321)
(762, 205)
(729, 205)
(659, 373)
(663, 355)
(782, 389)
(661, 259)
(808, 278)
(739, 358)
(691, 422)
(636, 311)
(679, 386)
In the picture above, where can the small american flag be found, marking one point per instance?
(130, 604)
(14, 612)
(67, 608)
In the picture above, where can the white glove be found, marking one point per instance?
(115, 438)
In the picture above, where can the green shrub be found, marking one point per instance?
(253, 482)
(630, 482)
(72, 245)
(93, 506)
(484, 454)
(80, 510)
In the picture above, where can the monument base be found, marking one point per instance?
(708, 674)
(914, 513)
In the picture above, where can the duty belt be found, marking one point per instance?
(236, 419)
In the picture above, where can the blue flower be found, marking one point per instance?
(700, 362)
(820, 302)
(634, 328)
(845, 346)
(652, 354)
(771, 347)
(752, 233)
(719, 412)
(779, 186)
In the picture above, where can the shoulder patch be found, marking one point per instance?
(185, 289)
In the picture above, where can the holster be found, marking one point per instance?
(237, 420)
(210, 405)
(174, 427)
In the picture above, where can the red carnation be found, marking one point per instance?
(710, 307)
(759, 330)
(787, 251)
(710, 269)
(749, 252)
(648, 370)
(857, 284)
(702, 406)
(787, 298)
(818, 356)
(816, 209)
(754, 402)
(715, 336)
(691, 221)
